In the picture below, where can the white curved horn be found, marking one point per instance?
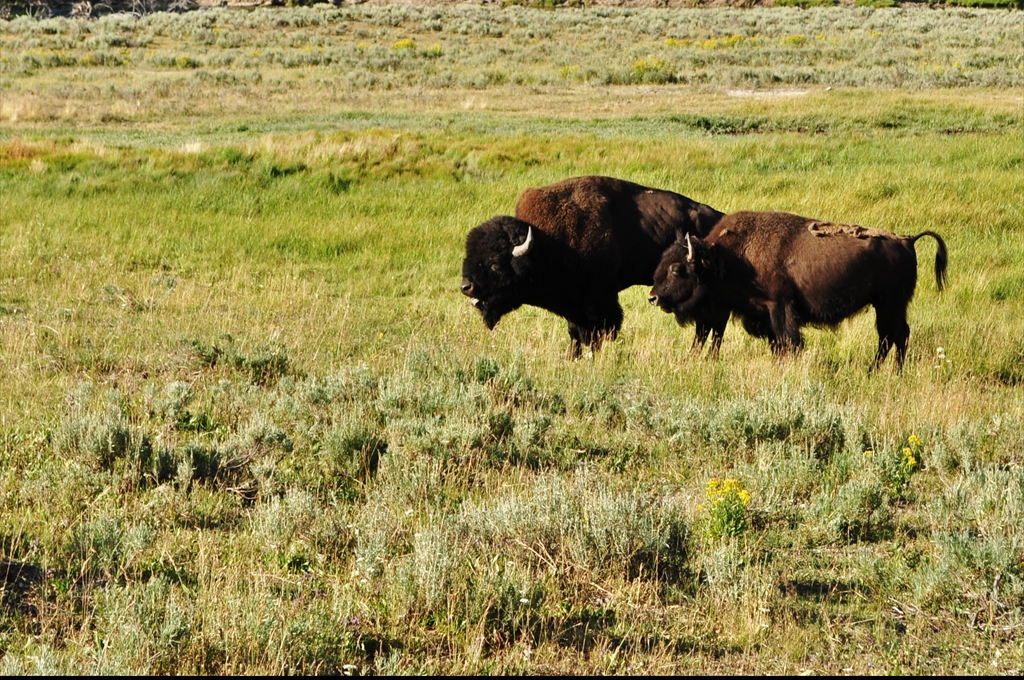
(524, 248)
(689, 249)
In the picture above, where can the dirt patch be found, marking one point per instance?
(774, 94)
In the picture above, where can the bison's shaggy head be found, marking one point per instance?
(680, 281)
(496, 266)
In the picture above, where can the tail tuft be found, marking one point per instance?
(941, 257)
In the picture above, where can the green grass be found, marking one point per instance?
(250, 425)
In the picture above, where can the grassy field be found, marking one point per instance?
(249, 424)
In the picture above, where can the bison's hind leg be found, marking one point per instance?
(901, 342)
(893, 331)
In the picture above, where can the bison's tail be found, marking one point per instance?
(941, 257)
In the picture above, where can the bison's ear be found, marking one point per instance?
(524, 247)
(523, 239)
(519, 233)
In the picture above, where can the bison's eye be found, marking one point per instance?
(495, 267)
(674, 270)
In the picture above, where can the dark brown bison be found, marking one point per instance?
(572, 246)
(777, 272)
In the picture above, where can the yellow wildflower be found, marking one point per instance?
(725, 507)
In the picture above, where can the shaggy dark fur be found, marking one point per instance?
(777, 272)
(592, 237)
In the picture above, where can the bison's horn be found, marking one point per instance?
(524, 248)
(689, 249)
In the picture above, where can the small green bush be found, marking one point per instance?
(858, 510)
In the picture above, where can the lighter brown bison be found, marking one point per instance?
(777, 272)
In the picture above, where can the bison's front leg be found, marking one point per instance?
(699, 338)
(713, 322)
(590, 336)
(717, 333)
(604, 318)
(602, 322)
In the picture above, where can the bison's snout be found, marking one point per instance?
(652, 298)
(467, 290)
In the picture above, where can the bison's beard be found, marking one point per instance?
(686, 309)
(492, 310)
